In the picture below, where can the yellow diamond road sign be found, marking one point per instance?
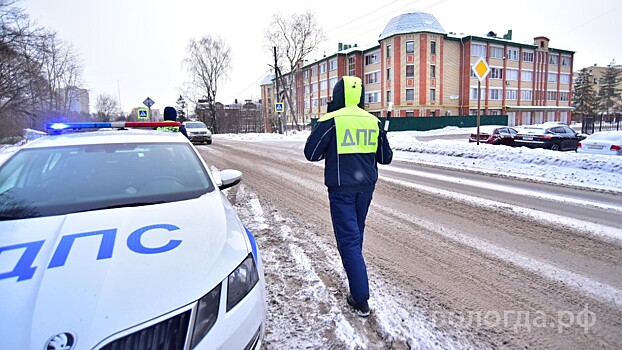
(481, 69)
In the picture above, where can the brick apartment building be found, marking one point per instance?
(425, 71)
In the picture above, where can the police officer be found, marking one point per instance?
(352, 142)
(170, 115)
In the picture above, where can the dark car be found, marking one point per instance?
(494, 134)
(550, 136)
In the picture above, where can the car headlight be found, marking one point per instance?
(207, 313)
(241, 281)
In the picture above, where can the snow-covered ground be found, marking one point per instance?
(601, 172)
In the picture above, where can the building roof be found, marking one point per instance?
(412, 22)
(267, 80)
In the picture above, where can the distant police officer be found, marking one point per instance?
(170, 115)
(352, 142)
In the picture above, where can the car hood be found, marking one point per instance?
(97, 273)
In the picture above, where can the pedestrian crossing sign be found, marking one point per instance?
(279, 107)
(143, 113)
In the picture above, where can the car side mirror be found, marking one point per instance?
(229, 178)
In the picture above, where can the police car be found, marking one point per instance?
(123, 239)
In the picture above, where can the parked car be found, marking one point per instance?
(198, 132)
(122, 239)
(602, 142)
(495, 134)
(550, 136)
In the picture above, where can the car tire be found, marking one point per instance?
(208, 142)
(555, 147)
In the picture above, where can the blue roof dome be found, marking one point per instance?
(412, 22)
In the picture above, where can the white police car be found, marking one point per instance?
(122, 239)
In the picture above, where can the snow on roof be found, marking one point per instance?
(412, 22)
(267, 80)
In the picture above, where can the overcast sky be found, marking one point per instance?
(134, 48)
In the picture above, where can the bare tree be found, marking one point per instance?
(107, 108)
(208, 63)
(36, 68)
(294, 37)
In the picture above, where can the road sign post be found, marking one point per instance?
(481, 70)
(148, 102)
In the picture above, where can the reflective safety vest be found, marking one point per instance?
(356, 130)
(168, 128)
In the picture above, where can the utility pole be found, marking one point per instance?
(276, 93)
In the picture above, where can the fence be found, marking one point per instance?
(433, 123)
(601, 122)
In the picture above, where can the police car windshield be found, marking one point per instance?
(62, 180)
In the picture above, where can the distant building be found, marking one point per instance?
(267, 102)
(77, 100)
(425, 71)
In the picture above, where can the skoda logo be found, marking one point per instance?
(61, 341)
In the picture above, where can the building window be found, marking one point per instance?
(332, 64)
(322, 67)
(432, 71)
(526, 95)
(314, 102)
(410, 94)
(566, 61)
(551, 95)
(389, 96)
(410, 71)
(307, 89)
(372, 58)
(511, 95)
(332, 82)
(323, 101)
(432, 94)
(527, 75)
(496, 73)
(511, 74)
(410, 114)
(388, 73)
(473, 94)
(432, 113)
(513, 54)
(433, 47)
(564, 78)
(305, 74)
(552, 78)
(315, 87)
(307, 104)
(351, 66)
(323, 85)
(553, 59)
(527, 56)
(410, 46)
(564, 96)
(388, 51)
(313, 71)
(496, 94)
(472, 72)
(372, 97)
(496, 52)
(372, 78)
(478, 50)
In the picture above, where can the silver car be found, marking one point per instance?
(602, 142)
(198, 132)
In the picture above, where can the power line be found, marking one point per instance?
(590, 20)
(360, 17)
(248, 87)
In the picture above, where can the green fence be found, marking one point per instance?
(433, 123)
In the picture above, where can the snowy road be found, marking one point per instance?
(448, 269)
